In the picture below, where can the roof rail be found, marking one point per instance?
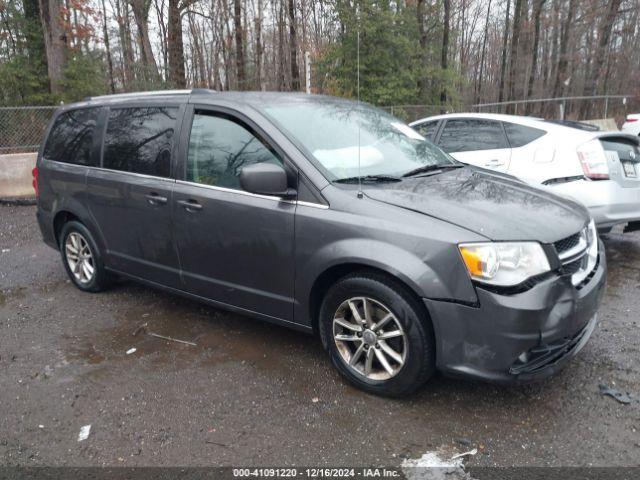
(154, 93)
(196, 91)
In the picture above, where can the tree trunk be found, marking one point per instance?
(513, 60)
(237, 25)
(503, 62)
(163, 38)
(140, 10)
(445, 52)
(537, 12)
(424, 51)
(293, 48)
(563, 61)
(259, 47)
(122, 17)
(55, 42)
(35, 36)
(105, 32)
(482, 56)
(604, 36)
(176, 46)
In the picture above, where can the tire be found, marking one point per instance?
(415, 347)
(75, 236)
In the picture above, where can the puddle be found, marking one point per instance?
(87, 353)
(220, 338)
(17, 293)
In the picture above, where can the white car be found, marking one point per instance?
(632, 125)
(599, 169)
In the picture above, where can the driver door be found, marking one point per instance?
(235, 247)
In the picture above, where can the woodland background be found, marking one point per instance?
(418, 52)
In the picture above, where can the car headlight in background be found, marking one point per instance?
(504, 264)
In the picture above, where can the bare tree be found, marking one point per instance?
(445, 49)
(604, 37)
(563, 62)
(515, 42)
(293, 48)
(503, 63)
(105, 33)
(140, 9)
(537, 12)
(237, 24)
(55, 41)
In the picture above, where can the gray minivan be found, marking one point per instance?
(325, 215)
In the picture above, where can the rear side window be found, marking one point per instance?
(71, 137)
(140, 140)
(218, 149)
(519, 135)
(465, 135)
(427, 129)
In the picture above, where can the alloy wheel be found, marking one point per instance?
(79, 258)
(369, 338)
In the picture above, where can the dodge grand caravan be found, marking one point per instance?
(325, 215)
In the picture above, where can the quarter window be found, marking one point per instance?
(519, 135)
(140, 140)
(427, 129)
(218, 149)
(464, 135)
(71, 137)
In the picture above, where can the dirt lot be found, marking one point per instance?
(250, 393)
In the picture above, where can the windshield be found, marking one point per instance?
(329, 130)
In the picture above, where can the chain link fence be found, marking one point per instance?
(22, 128)
(562, 108)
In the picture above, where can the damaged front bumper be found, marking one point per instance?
(521, 337)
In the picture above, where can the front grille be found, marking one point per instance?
(568, 243)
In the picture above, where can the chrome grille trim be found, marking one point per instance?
(577, 251)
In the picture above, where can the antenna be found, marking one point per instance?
(358, 96)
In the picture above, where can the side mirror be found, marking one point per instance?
(266, 179)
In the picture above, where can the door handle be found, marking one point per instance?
(190, 205)
(155, 199)
(494, 162)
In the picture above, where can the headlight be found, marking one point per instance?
(504, 264)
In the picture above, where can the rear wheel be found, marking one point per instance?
(82, 259)
(377, 335)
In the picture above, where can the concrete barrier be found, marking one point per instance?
(15, 175)
(605, 124)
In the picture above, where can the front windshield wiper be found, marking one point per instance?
(430, 168)
(369, 179)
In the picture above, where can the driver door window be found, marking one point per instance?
(219, 148)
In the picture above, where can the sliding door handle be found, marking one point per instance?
(190, 205)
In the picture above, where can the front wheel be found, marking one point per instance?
(377, 335)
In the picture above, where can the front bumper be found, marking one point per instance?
(608, 202)
(517, 338)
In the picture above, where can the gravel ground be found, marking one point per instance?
(251, 393)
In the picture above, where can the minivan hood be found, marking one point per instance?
(496, 206)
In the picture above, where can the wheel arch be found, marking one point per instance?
(67, 213)
(334, 273)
